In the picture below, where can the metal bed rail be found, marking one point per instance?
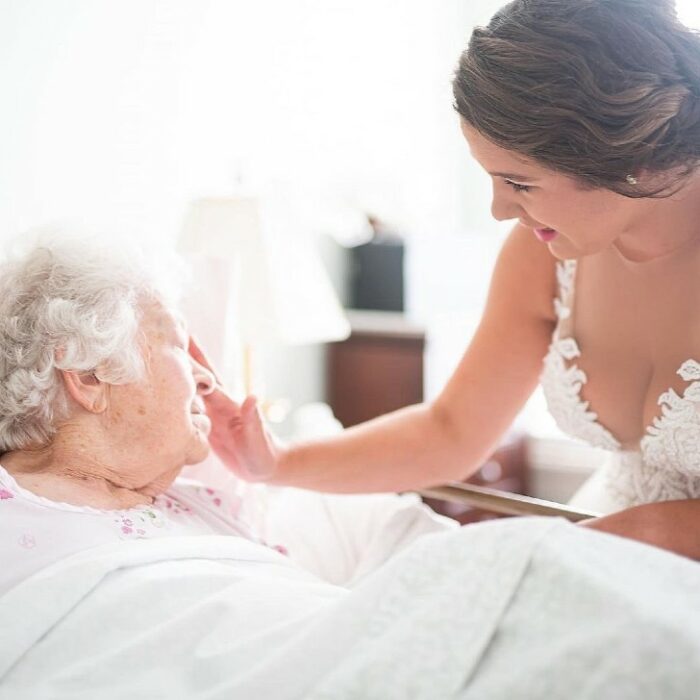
(503, 502)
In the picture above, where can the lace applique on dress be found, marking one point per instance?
(562, 381)
(672, 443)
(669, 467)
(667, 464)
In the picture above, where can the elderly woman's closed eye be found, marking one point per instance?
(101, 406)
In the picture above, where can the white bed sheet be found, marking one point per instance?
(526, 608)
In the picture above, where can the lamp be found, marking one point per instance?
(259, 281)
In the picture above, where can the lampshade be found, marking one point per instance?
(281, 292)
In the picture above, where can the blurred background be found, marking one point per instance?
(122, 113)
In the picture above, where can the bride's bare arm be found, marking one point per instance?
(431, 443)
(449, 438)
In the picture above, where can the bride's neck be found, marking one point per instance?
(666, 226)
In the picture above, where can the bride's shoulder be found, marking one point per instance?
(526, 272)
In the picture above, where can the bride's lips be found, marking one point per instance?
(546, 234)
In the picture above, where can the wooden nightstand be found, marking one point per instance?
(378, 369)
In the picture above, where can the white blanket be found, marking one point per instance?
(524, 608)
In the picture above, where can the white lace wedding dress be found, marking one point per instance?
(666, 463)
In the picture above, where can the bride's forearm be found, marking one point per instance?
(409, 449)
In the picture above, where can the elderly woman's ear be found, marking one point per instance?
(86, 390)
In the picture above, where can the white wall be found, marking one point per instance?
(689, 12)
(120, 111)
(123, 109)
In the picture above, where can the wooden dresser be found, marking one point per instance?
(378, 369)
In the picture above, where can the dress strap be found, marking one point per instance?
(564, 302)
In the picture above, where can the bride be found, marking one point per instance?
(586, 115)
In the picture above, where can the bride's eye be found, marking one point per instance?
(517, 187)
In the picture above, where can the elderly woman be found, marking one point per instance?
(100, 408)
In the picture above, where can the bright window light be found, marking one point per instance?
(689, 12)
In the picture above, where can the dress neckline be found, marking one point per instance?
(567, 349)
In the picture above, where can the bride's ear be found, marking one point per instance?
(86, 390)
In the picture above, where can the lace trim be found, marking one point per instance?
(672, 442)
(562, 381)
(667, 464)
(566, 272)
(667, 467)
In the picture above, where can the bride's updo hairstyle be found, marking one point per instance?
(599, 90)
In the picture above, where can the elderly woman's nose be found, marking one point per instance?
(204, 379)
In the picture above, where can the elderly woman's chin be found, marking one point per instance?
(200, 448)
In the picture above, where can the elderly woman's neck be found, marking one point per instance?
(70, 470)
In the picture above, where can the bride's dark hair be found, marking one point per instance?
(595, 89)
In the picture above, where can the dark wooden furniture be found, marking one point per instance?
(378, 369)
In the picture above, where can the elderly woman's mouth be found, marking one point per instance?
(198, 412)
(198, 407)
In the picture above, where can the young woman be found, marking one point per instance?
(586, 114)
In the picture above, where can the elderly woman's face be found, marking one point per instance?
(160, 421)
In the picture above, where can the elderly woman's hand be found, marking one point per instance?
(238, 435)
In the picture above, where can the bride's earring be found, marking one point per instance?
(631, 180)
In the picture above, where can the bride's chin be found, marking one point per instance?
(562, 249)
(561, 253)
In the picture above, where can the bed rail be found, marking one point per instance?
(503, 502)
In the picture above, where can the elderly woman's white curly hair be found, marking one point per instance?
(68, 303)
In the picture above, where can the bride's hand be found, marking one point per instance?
(238, 435)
